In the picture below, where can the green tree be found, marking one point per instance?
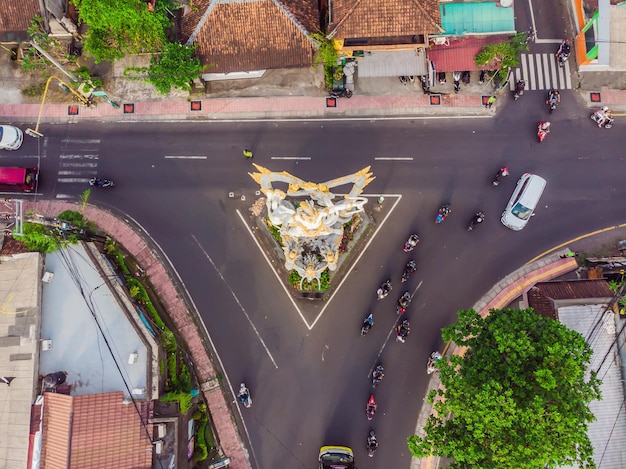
(504, 55)
(120, 27)
(175, 66)
(518, 398)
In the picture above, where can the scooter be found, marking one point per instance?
(476, 220)
(371, 407)
(384, 290)
(519, 89)
(244, 396)
(456, 77)
(367, 324)
(563, 53)
(100, 182)
(543, 129)
(442, 213)
(432, 361)
(410, 243)
(502, 173)
(341, 94)
(402, 331)
(409, 269)
(372, 444)
(603, 118)
(404, 302)
(377, 375)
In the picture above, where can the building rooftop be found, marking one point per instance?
(460, 19)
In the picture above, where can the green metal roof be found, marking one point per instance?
(476, 18)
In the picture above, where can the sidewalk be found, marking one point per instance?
(185, 321)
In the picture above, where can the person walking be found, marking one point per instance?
(247, 153)
(490, 101)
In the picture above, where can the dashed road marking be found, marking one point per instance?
(181, 157)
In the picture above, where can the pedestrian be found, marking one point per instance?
(490, 101)
(247, 153)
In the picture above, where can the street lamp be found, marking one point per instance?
(83, 99)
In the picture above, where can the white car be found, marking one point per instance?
(523, 201)
(11, 138)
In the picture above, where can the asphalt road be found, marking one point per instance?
(310, 387)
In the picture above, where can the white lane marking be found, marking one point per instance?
(531, 73)
(75, 173)
(78, 140)
(290, 157)
(568, 76)
(70, 180)
(64, 196)
(243, 310)
(19, 156)
(554, 68)
(181, 157)
(269, 263)
(64, 156)
(323, 351)
(354, 264)
(393, 158)
(539, 73)
(313, 120)
(44, 153)
(78, 165)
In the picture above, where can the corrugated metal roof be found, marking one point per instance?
(476, 18)
(19, 336)
(546, 297)
(608, 432)
(459, 54)
(392, 64)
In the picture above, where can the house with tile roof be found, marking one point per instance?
(388, 38)
(242, 39)
(16, 18)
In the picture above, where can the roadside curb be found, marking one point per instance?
(173, 299)
(512, 286)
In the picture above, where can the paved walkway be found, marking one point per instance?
(184, 319)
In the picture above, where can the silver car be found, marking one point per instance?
(11, 138)
(523, 201)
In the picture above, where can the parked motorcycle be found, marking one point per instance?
(603, 118)
(101, 182)
(481, 77)
(443, 212)
(371, 407)
(425, 86)
(501, 174)
(410, 243)
(372, 444)
(456, 77)
(519, 89)
(465, 78)
(402, 331)
(554, 98)
(244, 396)
(476, 220)
(563, 53)
(442, 78)
(404, 80)
(432, 361)
(341, 94)
(384, 289)
(409, 269)
(367, 324)
(404, 302)
(377, 375)
(543, 129)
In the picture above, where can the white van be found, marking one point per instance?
(523, 201)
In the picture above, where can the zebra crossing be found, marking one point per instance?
(542, 72)
(78, 162)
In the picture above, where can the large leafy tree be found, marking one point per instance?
(120, 27)
(517, 398)
(503, 55)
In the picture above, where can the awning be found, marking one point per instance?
(459, 54)
(393, 64)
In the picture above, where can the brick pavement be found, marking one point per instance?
(182, 317)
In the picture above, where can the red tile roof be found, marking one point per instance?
(96, 431)
(459, 55)
(383, 18)
(15, 18)
(252, 35)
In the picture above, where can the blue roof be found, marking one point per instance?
(476, 18)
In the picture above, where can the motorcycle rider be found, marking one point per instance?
(367, 324)
(244, 395)
(544, 127)
(372, 443)
(432, 361)
(519, 88)
(403, 302)
(410, 268)
(402, 331)
(377, 375)
(502, 172)
(411, 243)
(603, 115)
(384, 289)
(477, 220)
(371, 407)
(564, 51)
(554, 97)
(443, 212)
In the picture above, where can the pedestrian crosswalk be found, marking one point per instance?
(78, 162)
(542, 72)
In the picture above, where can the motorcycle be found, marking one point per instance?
(519, 89)
(481, 77)
(244, 396)
(100, 182)
(425, 86)
(411, 243)
(404, 80)
(377, 375)
(404, 302)
(367, 324)
(603, 118)
(502, 173)
(476, 220)
(402, 331)
(456, 77)
(410, 268)
(371, 407)
(442, 78)
(341, 94)
(384, 290)
(543, 129)
(465, 78)
(372, 444)
(563, 53)
(554, 98)
(442, 213)
(432, 361)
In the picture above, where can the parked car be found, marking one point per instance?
(523, 201)
(11, 138)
